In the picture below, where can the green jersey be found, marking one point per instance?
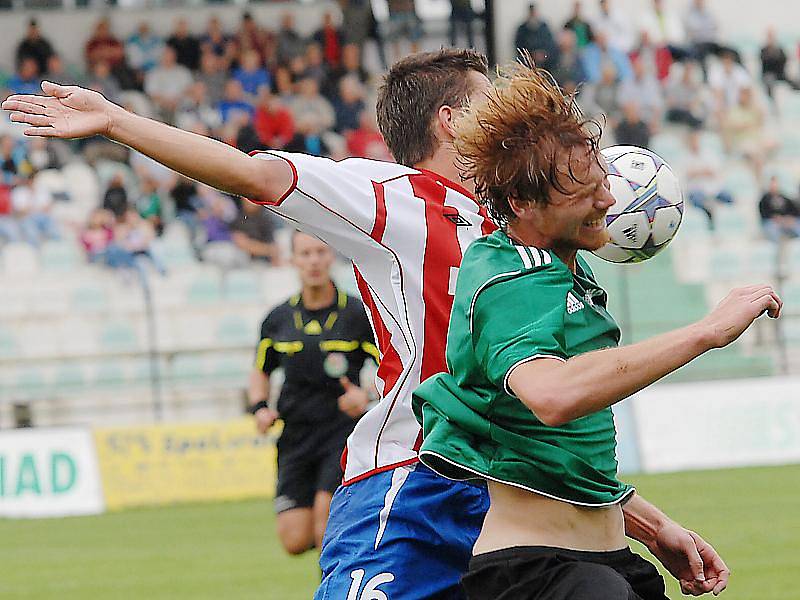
(514, 304)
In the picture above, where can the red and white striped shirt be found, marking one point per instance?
(405, 231)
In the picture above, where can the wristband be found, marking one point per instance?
(254, 408)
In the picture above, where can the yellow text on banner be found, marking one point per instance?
(164, 464)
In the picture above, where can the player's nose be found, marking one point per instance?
(605, 199)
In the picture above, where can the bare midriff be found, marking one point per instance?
(518, 517)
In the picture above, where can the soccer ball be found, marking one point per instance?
(648, 208)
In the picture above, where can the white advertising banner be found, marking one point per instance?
(49, 473)
(731, 423)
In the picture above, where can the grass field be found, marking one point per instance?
(229, 550)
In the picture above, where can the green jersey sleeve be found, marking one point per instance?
(517, 319)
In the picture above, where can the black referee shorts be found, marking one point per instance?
(309, 461)
(543, 573)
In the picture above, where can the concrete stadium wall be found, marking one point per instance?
(736, 20)
(68, 30)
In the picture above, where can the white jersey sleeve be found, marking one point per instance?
(338, 201)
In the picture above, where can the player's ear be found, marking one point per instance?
(445, 117)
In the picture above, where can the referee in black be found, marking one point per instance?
(321, 337)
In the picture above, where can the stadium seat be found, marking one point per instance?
(278, 284)
(233, 330)
(70, 377)
(19, 260)
(761, 258)
(60, 256)
(726, 262)
(31, 381)
(120, 336)
(89, 297)
(8, 343)
(83, 186)
(189, 368)
(174, 253)
(204, 288)
(242, 285)
(77, 337)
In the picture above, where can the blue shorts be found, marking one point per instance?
(406, 534)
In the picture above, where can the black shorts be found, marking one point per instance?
(542, 573)
(309, 461)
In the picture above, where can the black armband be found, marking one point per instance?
(254, 408)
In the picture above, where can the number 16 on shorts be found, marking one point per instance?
(370, 591)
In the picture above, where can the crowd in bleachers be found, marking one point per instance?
(650, 72)
(252, 88)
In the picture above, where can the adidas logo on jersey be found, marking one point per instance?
(573, 304)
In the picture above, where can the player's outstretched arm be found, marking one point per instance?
(71, 112)
(559, 392)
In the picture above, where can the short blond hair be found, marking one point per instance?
(511, 142)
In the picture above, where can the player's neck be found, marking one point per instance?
(443, 163)
(530, 237)
(316, 297)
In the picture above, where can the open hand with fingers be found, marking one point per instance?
(63, 111)
(737, 311)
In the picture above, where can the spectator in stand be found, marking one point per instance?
(773, 64)
(403, 25)
(186, 45)
(600, 53)
(569, 71)
(780, 216)
(702, 30)
(234, 106)
(310, 107)
(187, 203)
(461, 17)
(97, 235)
(315, 65)
(727, 79)
(351, 65)
(133, 238)
(167, 83)
(104, 46)
(42, 154)
(216, 41)
(194, 107)
(284, 85)
(359, 25)
(254, 233)
(219, 248)
(644, 88)
(686, 97)
(14, 164)
(743, 132)
(330, 41)
(665, 29)
(251, 73)
(250, 35)
(656, 59)
(26, 80)
(101, 80)
(616, 26)
(290, 43)
(273, 121)
(34, 45)
(148, 205)
(308, 138)
(367, 141)
(702, 177)
(349, 104)
(535, 37)
(58, 73)
(115, 199)
(579, 26)
(212, 76)
(31, 205)
(632, 130)
(143, 50)
(9, 228)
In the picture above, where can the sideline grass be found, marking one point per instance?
(229, 550)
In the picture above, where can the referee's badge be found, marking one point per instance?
(335, 365)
